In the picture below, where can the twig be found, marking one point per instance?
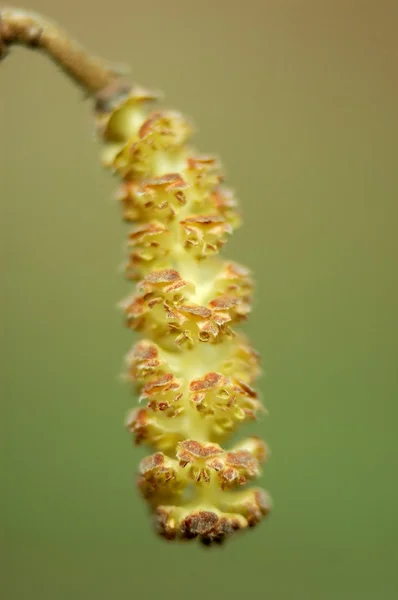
(19, 27)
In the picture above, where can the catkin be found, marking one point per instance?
(193, 371)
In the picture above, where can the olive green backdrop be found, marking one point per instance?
(300, 101)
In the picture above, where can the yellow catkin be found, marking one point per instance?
(194, 373)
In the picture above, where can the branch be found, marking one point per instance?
(95, 76)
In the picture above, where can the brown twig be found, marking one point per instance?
(19, 27)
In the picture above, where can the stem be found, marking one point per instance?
(19, 27)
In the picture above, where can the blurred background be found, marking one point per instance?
(300, 101)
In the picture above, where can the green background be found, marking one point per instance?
(300, 101)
